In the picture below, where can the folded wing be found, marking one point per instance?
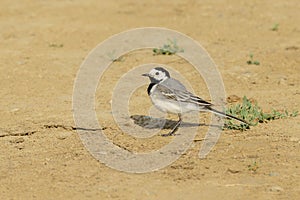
(181, 96)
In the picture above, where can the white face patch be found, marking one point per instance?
(158, 75)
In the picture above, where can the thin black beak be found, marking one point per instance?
(145, 75)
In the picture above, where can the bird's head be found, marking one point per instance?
(157, 74)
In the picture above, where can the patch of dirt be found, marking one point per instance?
(43, 44)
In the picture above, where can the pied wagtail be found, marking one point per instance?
(171, 96)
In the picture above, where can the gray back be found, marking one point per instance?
(172, 84)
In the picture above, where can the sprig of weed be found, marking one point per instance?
(56, 45)
(253, 167)
(251, 61)
(113, 58)
(253, 114)
(275, 27)
(169, 48)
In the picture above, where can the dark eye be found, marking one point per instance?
(156, 73)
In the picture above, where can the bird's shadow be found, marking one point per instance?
(154, 123)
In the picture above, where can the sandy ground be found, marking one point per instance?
(43, 44)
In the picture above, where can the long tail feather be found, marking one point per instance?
(226, 115)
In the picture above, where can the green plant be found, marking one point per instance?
(113, 58)
(56, 45)
(253, 167)
(168, 49)
(251, 61)
(253, 114)
(275, 27)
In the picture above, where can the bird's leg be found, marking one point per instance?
(175, 127)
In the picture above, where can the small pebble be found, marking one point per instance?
(63, 135)
(276, 189)
(273, 174)
(282, 81)
(233, 171)
(294, 139)
(14, 110)
(17, 140)
(233, 98)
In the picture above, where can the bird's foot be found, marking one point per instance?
(167, 134)
(171, 133)
(174, 128)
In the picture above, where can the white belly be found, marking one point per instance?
(171, 106)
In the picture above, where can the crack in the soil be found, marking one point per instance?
(72, 128)
(8, 133)
(68, 128)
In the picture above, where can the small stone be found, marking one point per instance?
(233, 171)
(292, 48)
(63, 135)
(294, 139)
(19, 146)
(14, 110)
(17, 140)
(273, 174)
(282, 81)
(276, 188)
(233, 98)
